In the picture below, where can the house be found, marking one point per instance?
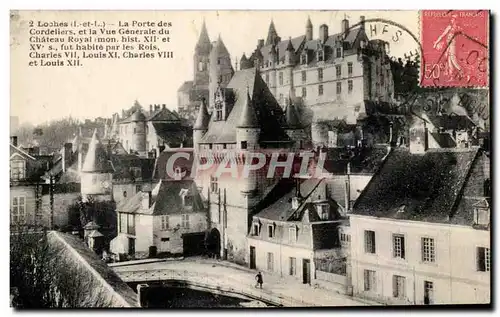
(26, 186)
(170, 219)
(420, 231)
(296, 231)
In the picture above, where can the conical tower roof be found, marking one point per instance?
(248, 117)
(289, 47)
(271, 34)
(203, 118)
(97, 160)
(219, 49)
(309, 23)
(203, 45)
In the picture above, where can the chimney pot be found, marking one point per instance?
(323, 33)
(164, 106)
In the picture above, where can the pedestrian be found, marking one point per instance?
(258, 277)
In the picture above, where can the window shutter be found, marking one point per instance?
(480, 259)
(394, 286)
(403, 246)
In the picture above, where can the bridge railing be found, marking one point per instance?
(211, 282)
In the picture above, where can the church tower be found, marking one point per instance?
(96, 174)
(221, 70)
(201, 58)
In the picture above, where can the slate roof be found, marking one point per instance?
(292, 119)
(219, 49)
(203, 117)
(363, 160)
(281, 209)
(269, 112)
(166, 199)
(417, 187)
(161, 162)
(164, 114)
(96, 160)
(122, 165)
(452, 122)
(445, 140)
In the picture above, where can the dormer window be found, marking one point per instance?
(255, 229)
(17, 169)
(482, 216)
(320, 55)
(338, 52)
(218, 110)
(292, 234)
(270, 231)
(303, 59)
(323, 211)
(296, 202)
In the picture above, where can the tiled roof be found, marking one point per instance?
(363, 160)
(269, 113)
(417, 187)
(172, 135)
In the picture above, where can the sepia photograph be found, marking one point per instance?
(250, 159)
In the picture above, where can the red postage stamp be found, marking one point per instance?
(455, 48)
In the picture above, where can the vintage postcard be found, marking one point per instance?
(182, 159)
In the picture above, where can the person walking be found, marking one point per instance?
(259, 279)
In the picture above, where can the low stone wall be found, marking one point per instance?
(334, 282)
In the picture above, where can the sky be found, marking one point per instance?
(103, 87)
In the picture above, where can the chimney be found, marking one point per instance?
(362, 22)
(13, 140)
(150, 109)
(84, 148)
(164, 106)
(260, 43)
(323, 33)
(345, 26)
(146, 200)
(157, 107)
(66, 156)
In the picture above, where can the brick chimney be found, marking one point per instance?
(146, 199)
(323, 33)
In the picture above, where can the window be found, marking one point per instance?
(349, 69)
(220, 79)
(398, 245)
(292, 234)
(304, 76)
(428, 250)
(338, 71)
(135, 130)
(267, 79)
(369, 241)
(369, 277)
(320, 74)
(125, 194)
(214, 184)
(18, 211)
(270, 231)
(349, 86)
(127, 223)
(320, 90)
(345, 239)
(188, 200)
(303, 59)
(293, 266)
(17, 169)
(218, 61)
(185, 221)
(138, 188)
(398, 286)
(255, 229)
(200, 66)
(483, 259)
(321, 55)
(280, 78)
(244, 145)
(164, 223)
(304, 92)
(270, 261)
(338, 52)
(323, 211)
(428, 292)
(339, 88)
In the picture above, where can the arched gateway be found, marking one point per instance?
(212, 243)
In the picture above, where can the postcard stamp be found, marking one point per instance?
(455, 48)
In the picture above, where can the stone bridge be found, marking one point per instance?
(226, 278)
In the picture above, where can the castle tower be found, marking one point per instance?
(138, 140)
(96, 173)
(309, 30)
(289, 53)
(272, 35)
(201, 58)
(201, 125)
(221, 70)
(247, 138)
(248, 129)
